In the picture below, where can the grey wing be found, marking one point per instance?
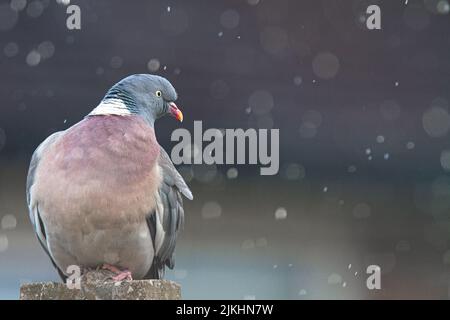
(33, 205)
(168, 219)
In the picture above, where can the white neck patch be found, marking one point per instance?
(111, 106)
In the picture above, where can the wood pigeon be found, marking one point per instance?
(104, 192)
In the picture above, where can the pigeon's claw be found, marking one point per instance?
(124, 275)
(120, 274)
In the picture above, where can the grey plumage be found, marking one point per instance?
(169, 213)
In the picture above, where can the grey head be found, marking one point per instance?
(146, 95)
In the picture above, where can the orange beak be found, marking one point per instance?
(175, 112)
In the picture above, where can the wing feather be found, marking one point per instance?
(33, 205)
(168, 218)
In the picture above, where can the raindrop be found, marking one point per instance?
(325, 65)
(229, 19)
(280, 214)
(46, 49)
(211, 210)
(334, 278)
(153, 65)
(436, 122)
(232, 173)
(35, 9)
(33, 58)
(386, 156)
(351, 169)
(298, 80)
(361, 18)
(443, 7)
(380, 139)
(18, 5)
(8, 222)
(410, 145)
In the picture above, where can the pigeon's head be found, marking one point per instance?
(147, 95)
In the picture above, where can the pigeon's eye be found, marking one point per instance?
(158, 93)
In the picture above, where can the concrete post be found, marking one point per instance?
(95, 285)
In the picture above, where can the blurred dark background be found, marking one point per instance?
(364, 125)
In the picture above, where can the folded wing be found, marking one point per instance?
(168, 218)
(33, 205)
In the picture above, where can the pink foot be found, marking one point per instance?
(120, 274)
(124, 275)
